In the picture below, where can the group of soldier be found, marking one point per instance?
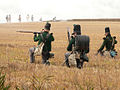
(28, 18)
(47, 38)
(8, 18)
(32, 17)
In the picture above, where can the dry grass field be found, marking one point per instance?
(101, 73)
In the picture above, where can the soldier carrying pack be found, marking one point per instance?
(79, 45)
(44, 45)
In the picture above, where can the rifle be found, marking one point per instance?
(29, 32)
(69, 38)
(68, 33)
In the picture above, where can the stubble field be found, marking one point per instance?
(101, 73)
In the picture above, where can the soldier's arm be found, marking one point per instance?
(69, 48)
(103, 45)
(115, 41)
(113, 47)
(52, 38)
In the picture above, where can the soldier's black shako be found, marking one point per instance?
(107, 30)
(77, 29)
(47, 26)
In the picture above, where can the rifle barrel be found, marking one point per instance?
(27, 32)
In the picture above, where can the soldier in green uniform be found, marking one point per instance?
(71, 45)
(46, 38)
(108, 42)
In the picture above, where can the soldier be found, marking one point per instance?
(7, 18)
(19, 19)
(27, 17)
(109, 43)
(46, 38)
(54, 19)
(32, 18)
(40, 19)
(77, 31)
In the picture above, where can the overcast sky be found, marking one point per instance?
(62, 9)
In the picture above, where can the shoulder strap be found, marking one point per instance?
(47, 36)
(44, 39)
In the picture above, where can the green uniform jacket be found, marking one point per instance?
(72, 42)
(47, 46)
(107, 43)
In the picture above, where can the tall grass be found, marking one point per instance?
(2, 82)
(100, 73)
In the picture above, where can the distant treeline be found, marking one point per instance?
(93, 20)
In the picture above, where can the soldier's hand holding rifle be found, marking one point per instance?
(35, 34)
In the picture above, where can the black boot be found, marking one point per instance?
(85, 58)
(78, 63)
(67, 63)
(81, 63)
